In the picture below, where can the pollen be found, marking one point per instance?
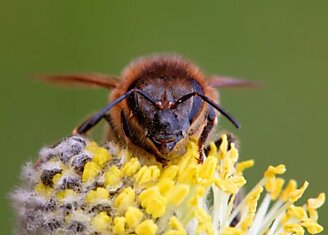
(101, 156)
(66, 195)
(175, 227)
(119, 225)
(148, 227)
(153, 202)
(101, 223)
(124, 199)
(113, 176)
(91, 170)
(316, 202)
(80, 187)
(147, 174)
(131, 167)
(98, 196)
(43, 190)
(133, 217)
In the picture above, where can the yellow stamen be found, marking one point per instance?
(273, 171)
(91, 170)
(101, 156)
(242, 166)
(147, 227)
(294, 229)
(100, 195)
(133, 217)
(316, 203)
(101, 223)
(312, 226)
(113, 176)
(43, 190)
(119, 225)
(152, 200)
(131, 167)
(296, 194)
(291, 186)
(124, 199)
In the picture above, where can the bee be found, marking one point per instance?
(157, 104)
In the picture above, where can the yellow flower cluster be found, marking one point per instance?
(80, 187)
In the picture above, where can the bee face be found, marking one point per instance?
(156, 104)
(164, 124)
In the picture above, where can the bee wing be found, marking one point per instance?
(83, 80)
(221, 81)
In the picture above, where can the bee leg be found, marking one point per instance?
(210, 121)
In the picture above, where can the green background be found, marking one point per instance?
(281, 43)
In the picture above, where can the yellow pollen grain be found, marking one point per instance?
(43, 190)
(227, 168)
(273, 171)
(312, 226)
(242, 166)
(113, 176)
(176, 226)
(153, 201)
(296, 194)
(316, 203)
(101, 156)
(56, 178)
(297, 212)
(147, 227)
(133, 217)
(188, 161)
(313, 214)
(294, 228)
(147, 174)
(291, 186)
(230, 185)
(101, 223)
(233, 153)
(131, 167)
(213, 150)
(223, 147)
(254, 196)
(91, 171)
(91, 147)
(274, 186)
(125, 199)
(119, 225)
(165, 185)
(177, 194)
(188, 176)
(169, 172)
(207, 169)
(96, 196)
(67, 193)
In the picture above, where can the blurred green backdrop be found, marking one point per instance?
(282, 43)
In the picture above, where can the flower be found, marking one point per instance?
(79, 187)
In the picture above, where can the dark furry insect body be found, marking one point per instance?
(157, 104)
